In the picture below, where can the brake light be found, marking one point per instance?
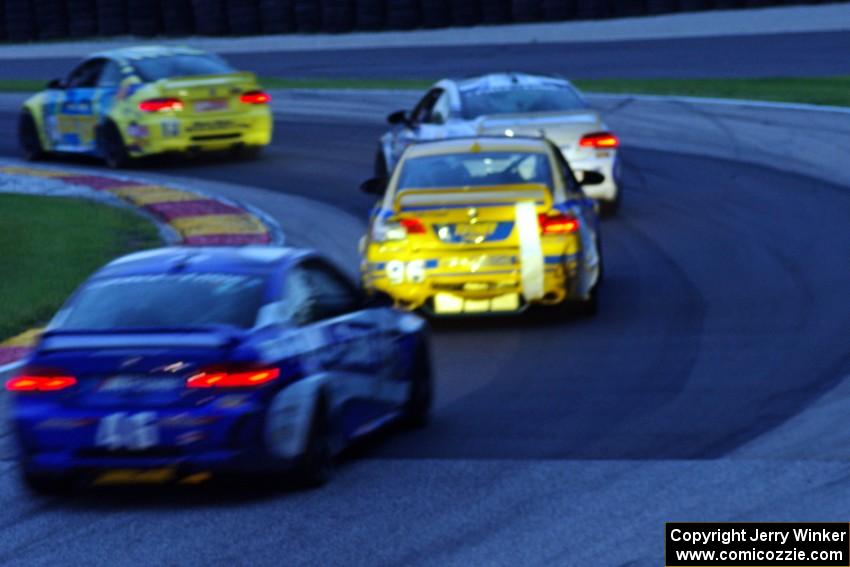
(32, 383)
(160, 104)
(255, 97)
(225, 379)
(412, 226)
(599, 140)
(558, 224)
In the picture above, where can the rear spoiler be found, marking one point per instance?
(212, 337)
(486, 196)
(206, 80)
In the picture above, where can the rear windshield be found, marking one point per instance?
(173, 300)
(518, 100)
(164, 67)
(475, 169)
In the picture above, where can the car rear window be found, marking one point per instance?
(517, 99)
(183, 65)
(172, 300)
(475, 169)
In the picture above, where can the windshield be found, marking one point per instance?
(173, 300)
(156, 68)
(475, 169)
(518, 100)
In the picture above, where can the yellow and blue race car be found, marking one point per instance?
(139, 101)
(483, 225)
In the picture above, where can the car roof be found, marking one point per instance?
(134, 53)
(502, 80)
(478, 144)
(255, 260)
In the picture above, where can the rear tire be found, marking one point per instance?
(417, 409)
(28, 137)
(248, 153)
(48, 485)
(111, 146)
(315, 465)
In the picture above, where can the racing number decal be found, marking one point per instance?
(412, 272)
(121, 430)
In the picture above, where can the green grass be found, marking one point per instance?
(22, 85)
(815, 90)
(48, 245)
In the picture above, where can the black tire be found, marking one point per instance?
(111, 146)
(417, 409)
(248, 153)
(28, 138)
(610, 208)
(315, 465)
(693, 5)
(47, 485)
(381, 169)
(593, 9)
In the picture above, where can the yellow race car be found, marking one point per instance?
(128, 103)
(483, 225)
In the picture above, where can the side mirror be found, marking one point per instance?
(56, 84)
(378, 300)
(589, 178)
(375, 186)
(398, 117)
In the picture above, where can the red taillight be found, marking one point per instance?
(412, 226)
(600, 141)
(160, 104)
(229, 379)
(558, 224)
(255, 97)
(30, 383)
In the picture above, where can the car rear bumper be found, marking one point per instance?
(610, 167)
(475, 289)
(62, 442)
(156, 135)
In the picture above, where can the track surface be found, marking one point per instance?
(801, 54)
(723, 316)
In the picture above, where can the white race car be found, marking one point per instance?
(511, 104)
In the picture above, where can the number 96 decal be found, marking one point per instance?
(399, 272)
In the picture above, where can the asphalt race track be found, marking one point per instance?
(555, 442)
(798, 54)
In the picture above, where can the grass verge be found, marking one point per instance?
(49, 245)
(815, 90)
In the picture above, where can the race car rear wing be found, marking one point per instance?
(485, 196)
(211, 338)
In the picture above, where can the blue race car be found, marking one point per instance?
(175, 364)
